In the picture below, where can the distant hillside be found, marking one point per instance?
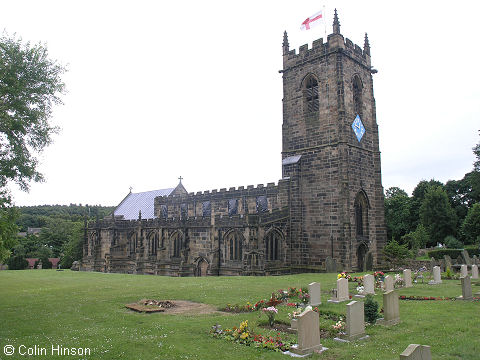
(36, 216)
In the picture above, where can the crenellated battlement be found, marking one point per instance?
(335, 43)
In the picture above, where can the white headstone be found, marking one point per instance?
(388, 283)
(314, 292)
(308, 330)
(436, 275)
(369, 284)
(407, 278)
(463, 271)
(355, 325)
(474, 272)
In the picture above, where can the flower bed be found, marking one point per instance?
(421, 298)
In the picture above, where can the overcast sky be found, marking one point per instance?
(162, 89)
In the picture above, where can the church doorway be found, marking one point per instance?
(361, 251)
(202, 268)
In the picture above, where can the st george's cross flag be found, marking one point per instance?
(314, 20)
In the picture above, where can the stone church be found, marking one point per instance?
(326, 212)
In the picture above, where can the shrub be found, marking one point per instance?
(371, 309)
(452, 243)
(17, 262)
(396, 253)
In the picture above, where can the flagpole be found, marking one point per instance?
(325, 23)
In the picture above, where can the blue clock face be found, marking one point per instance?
(358, 128)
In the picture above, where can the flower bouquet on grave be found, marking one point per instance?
(339, 327)
(270, 311)
(360, 290)
(344, 275)
(398, 282)
(358, 280)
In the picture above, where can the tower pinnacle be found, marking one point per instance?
(286, 46)
(336, 24)
(366, 45)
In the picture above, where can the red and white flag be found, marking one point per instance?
(314, 20)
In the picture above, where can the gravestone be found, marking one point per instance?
(355, 325)
(341, 291)
(388, 283)
(432, 264)
(407, 278)
(466, 289)
(474, 272)
(463, 271)
(436, 276)
(475, 260)
(314, 292)
(369, 261)
(293, 323)
(460, 259)
(331, 265)
(369, 284)
(391, 310)
(466, 257)
(416, 352)
(448, 262)
(308, 331)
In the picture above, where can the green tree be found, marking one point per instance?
(397, 212)
(395, 253)
(437, 215)
(417, 239)
(55, 234)
(73, 249)
(476, 151)
(470, 229)
(30, 84)
(418, 195)
(8, 229)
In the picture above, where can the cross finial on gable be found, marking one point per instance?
(180, 178)
(131, 188)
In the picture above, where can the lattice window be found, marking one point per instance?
(273, 242)
(311, 94)
(206, 209)
(262, 204)
(361, 214)
(232, 207)
(233, 243)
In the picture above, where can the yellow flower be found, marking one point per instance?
(244, 336)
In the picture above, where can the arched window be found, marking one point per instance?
(132, 243)
(310, 91)
(176, 243)
(361, 215)
(273, 243)
(153, 243)
(233, 245)
(357, 96)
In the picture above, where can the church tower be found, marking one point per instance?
(330, 152)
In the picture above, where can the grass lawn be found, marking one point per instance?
(86, 310)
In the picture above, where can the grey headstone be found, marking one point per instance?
(388, 283)
(314, 292)
(463, 270)
(436, 275)
(474, 271)
(308, 330)
(369, 284)
(407, 278)
(391, 309)
(466, 288)
(416, 352)
(331, 265)
(475, 260)
(460, 259)
(466, 257)
(369, 261)
(448, 262)
(355, 324)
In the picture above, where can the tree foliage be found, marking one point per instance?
(396, 253)
(397, 212)
(437, 215)
(8, 230)
(30, 84)
(471, 226)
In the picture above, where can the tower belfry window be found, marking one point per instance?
(311, 94)
(357, 96)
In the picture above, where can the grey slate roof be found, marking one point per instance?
(134, 202)
(291, 160)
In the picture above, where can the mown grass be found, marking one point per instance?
(78, 309)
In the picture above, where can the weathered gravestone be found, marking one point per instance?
(369, 261)
(391, 309)
(463, 271)
(466, 289)
(331, 265)
(308, 331)
(437, 279)
(448, 262)
(341, 293)
(474, 271)
(475, 260)
(460, 259)
(314, 292)
(407, 278)
(416, 352)
(466, 257)
(369, 284)
(388, 283)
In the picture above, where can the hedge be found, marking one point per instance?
(453, 253)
